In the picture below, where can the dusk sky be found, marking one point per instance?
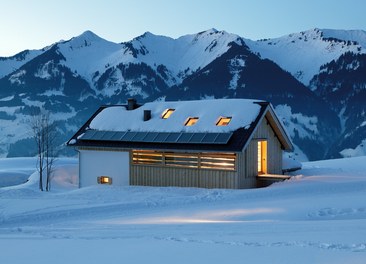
(35, 24)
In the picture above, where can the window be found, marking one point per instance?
(147, 157)
(223, 121)
(104, 180)
(187, 160)
(213, 161)
(167, 113)
(218, 161)
(262, 156)
(191, 121)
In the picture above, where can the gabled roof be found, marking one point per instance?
(116, 126)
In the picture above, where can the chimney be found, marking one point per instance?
(147, 115)
(131, 104)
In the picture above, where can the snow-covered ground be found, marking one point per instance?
(318, 216)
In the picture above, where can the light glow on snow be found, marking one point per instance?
(209, 217)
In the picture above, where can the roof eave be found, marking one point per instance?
(268, 112)
(279, 129)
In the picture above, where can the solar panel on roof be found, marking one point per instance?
(101, 135)
(223, 138)
(107, 135)
(88, 134)
(209, 138)
(98, 135)
(172, 137)
(184, 138)
(197, 138)
(128, 136)
(160, 138)
(117, 136)
(113, 135)
(150, 136)
(139, 137)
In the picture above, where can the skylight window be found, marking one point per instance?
(223, 121)
(191, 121)
(167, 113)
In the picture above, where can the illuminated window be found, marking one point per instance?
(187, 160)
(218, 161)
(167, 113)
(147, 157)
(213, 161)
(191, 121)
(223, 121)
(104, 180)
(262, 156)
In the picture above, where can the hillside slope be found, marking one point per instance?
(71, 79)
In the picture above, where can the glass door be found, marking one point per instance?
(262, 156)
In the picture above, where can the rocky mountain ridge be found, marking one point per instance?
(299, 73)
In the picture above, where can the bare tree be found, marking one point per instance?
(50, 138)
(44, 134)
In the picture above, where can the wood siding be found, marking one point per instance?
(248, 161)
(248, 171)
(146, 175)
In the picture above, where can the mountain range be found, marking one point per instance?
(315, 79)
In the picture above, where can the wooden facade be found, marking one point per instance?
(274, 149)
(183, 177)
(243, 176)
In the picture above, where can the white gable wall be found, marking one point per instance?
(93, 164)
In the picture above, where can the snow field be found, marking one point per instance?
(318, 216)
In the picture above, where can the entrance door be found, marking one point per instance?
(262, 156)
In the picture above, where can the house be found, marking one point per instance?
(220, 143)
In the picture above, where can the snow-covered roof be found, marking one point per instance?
(117, 118)
(117, 126)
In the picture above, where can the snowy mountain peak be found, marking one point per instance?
(88, 53)
(180, 55)
(214, 33)
(11, 64)
(149, 35)
(89, 35)
(358, 36)
(209, 31)
(138, 44)
(213, 30)
(84, 40)
(291, 52)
